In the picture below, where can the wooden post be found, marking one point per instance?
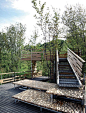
(40, 109)
(31, 63)
(51, 96)
(1, 79)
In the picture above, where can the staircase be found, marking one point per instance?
(66, 75)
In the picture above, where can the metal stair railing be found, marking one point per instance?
(57, 69)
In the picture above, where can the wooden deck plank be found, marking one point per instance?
(68, 92)
(36, 84)
(43, 99)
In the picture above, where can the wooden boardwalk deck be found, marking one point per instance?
(36, 84)
(43, 99)
(52, 88)
(67, 92)
(8, 105)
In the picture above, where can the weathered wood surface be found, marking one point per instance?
(9, 73)
(36, 84)
(52, 88)
(63, 55)
(76, 63)
(68, 92)
(43, 99)
(36, 56)
(12, 79)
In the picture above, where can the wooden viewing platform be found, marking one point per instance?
(36, 84)
(67, 92)
(52, 88)
(43, 100)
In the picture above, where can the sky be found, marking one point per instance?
(21, 11)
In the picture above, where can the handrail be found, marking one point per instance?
(76, 64)
(57, 70)
(12, 78)
(76, 55)
(9, 73)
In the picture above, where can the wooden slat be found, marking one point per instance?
(26, 59)
(9, 73)
(6, 80)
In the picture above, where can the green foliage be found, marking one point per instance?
(10, 52)
(74, 18)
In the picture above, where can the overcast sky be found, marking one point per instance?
(12, 11)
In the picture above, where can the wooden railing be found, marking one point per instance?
(13, 77)
(32, 56)
(38, 56)
(76, 64)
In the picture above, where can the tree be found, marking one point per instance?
(74, 18)
(48, 23)
(13, 41)
(34, 38)
(49, 26)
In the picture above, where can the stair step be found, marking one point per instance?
(62, 59)
(66, 71)
(68, 85)
(63, 63)
(66, 67)
(66, 75)
(68, 82)
(74, 80)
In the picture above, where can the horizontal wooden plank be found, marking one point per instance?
(37, 52)
(34, 73)
(26, 59)
(9, 73)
